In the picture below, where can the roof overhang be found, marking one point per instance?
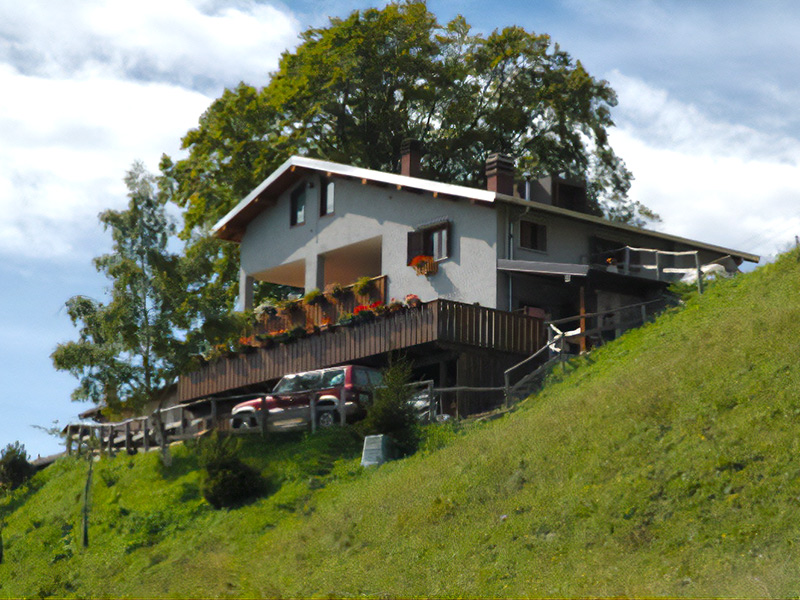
(600, 221)
(542, 268)
(233, 225)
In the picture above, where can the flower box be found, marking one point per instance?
(424, 265)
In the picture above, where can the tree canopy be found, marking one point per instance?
(129, 347)
(354, 90)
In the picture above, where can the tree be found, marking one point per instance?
(14, 466)
(391, 412)
(354, 90)
(130, 347)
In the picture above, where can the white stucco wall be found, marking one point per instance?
(365, 212)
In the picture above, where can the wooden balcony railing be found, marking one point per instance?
(324, 313)
(436, 321)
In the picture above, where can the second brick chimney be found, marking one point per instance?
(500, 174)
(410, 154)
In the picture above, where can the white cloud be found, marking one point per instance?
(181, 41)
(67, 144)
(92, 85)
(718, 182)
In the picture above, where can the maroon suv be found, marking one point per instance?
(290, 403)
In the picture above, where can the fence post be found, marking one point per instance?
(313, 408)
(431, 402)
(699, 272)
(111, 435)
(213, 413)
(128, 437)
(263, 416)
(69, 440)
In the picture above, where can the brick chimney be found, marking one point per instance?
(410, 154)
(500, 174)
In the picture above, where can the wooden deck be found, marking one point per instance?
(439, 321)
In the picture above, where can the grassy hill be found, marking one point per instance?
(665, 463)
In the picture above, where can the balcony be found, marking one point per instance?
(442, 323)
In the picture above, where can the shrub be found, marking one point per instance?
(14, 466)
(391, 412)
(228, 481)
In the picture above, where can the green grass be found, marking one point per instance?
(663, 464)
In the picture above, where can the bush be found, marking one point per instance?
(391, 412)
(228, 482)
(14, 466)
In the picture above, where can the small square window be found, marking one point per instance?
(326, 198)
(533, 236)
(433, 241)
(298, 206)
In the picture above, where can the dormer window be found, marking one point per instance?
(298, 206)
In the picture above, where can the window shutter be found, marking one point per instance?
(525, 240)
(541, 237)
(416, 245)
(448, 230)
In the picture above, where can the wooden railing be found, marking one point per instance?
(326, 312)
(436, 321)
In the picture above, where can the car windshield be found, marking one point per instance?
(298, 382)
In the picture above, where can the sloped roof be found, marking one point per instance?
(233, 225)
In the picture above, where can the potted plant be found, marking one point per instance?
(413, 301)
(363, 285)
(337, 291)
(347, 319)
(424, 265)
(265, 340)
(394, 306)
(298, 332)
(314, 298)
(363, 313)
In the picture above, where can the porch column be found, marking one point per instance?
(245, 291)
(315, 272)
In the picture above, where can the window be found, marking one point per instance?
(326, 198)
(532, 236)
(430, 241)
(298, 206)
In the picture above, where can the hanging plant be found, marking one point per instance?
(314, 298)
(363, 285)
(266, 309)
(337, 291)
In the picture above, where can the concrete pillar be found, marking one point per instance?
(315, 272)
(245, 291)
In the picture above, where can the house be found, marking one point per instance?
(488, 264)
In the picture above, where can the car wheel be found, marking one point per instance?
(327, 418)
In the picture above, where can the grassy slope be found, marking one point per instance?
(666, 464)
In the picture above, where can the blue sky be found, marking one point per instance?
(707, 121)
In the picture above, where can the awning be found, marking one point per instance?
(542, 268)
